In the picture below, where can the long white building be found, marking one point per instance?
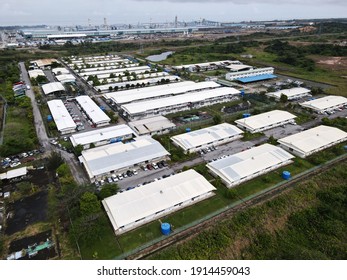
(156, 92)
(246, 165)
(118, 157)
(182, 102)
(312, 140)
(231, 76)
(102, 136)
(206, 66)
(292, 93)
(265, 121)
(114, 71)
(61, 116)
(327, 103)
(211, 136)
(93, 111)
(133, 208)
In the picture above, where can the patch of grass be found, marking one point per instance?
(104, 248)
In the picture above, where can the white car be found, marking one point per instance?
(135, 172)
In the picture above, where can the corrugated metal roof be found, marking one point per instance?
(133, 205)
(324, 103)
(290, 93)
(206, 135)
(52, 87)
(314, 139)
(248, 163)
(265, 119)
(101, 160)
(98, 135)
(143, 106)
(60, 115)
(92, 109)
(256, 78)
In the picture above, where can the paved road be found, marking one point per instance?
(41, 132)
(39, 124)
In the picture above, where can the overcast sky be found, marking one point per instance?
(71, 12)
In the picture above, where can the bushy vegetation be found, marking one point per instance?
(289, 54)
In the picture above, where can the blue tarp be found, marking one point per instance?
(256, 78)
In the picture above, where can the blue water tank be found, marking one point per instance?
(188, 129)
(242, 91)
(345, 147)
(246, 115)
(49, 118)
(286, 175)
(165, 228)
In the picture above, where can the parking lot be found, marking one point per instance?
(79, 117)
(283, 131)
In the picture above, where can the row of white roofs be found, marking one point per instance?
(156, 92)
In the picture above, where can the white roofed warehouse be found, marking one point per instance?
(265, 121)
(152, 126)
(61, 116)
(150, 93)
(313, 140)
(118, 157)
(93, 111)
(320, 105)
(55, 87)
(246, 165)
(207, 137)
(292, 93)
(102, 136)
(133, 208)
(182, 102)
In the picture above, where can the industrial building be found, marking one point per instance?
(66, 78)
(61, 116)
(211, 136)
(167, 90)
(102, 136)
(123, 83)
(206, 66)
(118, 157)
(182, 102)
(266, 121)
(312, 140)
(43, 63)
(60, 71)
(93, 111)
(253, 75)
(133, 208)
(324, 104)
(152, 126)
(35, 73)
(58, 34)
(115, 71)
(292, 93)
(56, 87)
(246, 165)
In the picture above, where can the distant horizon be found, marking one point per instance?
(157, 22)
(69, 13)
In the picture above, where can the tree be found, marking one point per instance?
(78, 150)
(217, 119)
(283, 98)
(89, 204)
(108, 190)
(54, 161)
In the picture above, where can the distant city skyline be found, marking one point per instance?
(63, 12)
